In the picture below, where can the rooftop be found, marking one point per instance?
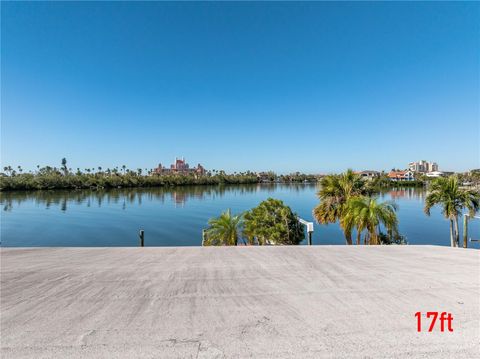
(275, 302)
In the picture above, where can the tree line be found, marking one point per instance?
(63, 177)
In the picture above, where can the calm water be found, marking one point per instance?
(175, 217)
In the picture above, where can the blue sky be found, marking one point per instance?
(313, 87)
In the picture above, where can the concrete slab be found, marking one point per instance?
(243, 302)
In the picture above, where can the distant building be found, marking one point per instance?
(401, 175)
(180, 166)
(435, 174)
(266, 176)
(369, 174)
(423, 166)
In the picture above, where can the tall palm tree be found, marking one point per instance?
(64, 166)
(334, 193)
(446, 192)
(224, 230)
(351, 220)
(367, 214)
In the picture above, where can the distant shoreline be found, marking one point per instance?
(170, 185)
(8, 184)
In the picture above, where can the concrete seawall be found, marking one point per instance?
(258, 302)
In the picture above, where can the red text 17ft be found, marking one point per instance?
(444, 318)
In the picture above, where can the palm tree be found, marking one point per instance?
(8, 169)
(224, 230)
(365, 213)
(64, 166)
(446, 192)
(351, 220)
(335, 191)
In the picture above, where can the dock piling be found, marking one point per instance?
(142, 238)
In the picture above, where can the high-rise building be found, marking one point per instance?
(423, 166)
(432, 167)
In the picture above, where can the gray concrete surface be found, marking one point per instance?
(245, 302)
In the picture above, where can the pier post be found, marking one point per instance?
(465, 230)
(204, 236)
(142, 238)
(309, 238)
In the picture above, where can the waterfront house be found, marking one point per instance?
(406, 175)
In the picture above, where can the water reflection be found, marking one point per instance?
(134, 196)
(176, 216)
(407, 193)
